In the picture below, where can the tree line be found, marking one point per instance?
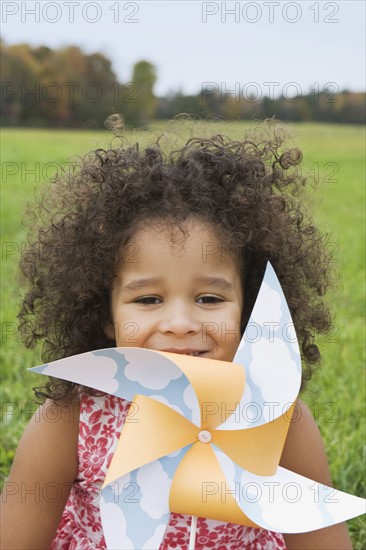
(68, 88)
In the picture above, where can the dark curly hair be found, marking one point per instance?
(250, 191)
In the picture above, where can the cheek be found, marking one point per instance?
(127, 334)
(126, 327)
(236, 333)
(226, 329)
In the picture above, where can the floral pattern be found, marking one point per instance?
(101, 421)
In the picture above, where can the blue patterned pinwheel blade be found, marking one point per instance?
(135, 508)
(288, 502)
(270, 354)
(125, 372)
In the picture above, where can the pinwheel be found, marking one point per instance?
(205, 437)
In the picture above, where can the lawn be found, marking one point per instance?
(334, 156)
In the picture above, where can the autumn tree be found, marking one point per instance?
(142, 108)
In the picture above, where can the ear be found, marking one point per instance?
(109, 331)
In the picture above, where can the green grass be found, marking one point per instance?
(336, 394)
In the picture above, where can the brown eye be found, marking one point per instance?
(210, 299)
(148, 300)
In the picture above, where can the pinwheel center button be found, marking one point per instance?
(204, 436)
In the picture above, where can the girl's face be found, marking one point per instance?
(183, 297)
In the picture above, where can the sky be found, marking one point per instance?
(256, 47)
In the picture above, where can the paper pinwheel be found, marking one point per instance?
(205, 437)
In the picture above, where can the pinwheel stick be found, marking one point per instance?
(192, 535)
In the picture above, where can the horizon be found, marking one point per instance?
(307, 45)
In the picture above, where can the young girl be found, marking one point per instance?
(143, 249)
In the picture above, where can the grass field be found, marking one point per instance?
(336, 394)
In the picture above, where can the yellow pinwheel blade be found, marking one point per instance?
(151, 430)
(257, 449)
(219, 386)
(199, 488)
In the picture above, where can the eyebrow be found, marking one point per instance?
(219, 282)
(146, 282)
(138, 284)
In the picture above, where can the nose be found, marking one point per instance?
(179, 319)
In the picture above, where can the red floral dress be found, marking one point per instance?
(101, 420)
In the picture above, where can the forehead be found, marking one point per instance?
(192, 239)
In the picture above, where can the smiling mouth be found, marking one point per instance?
(192, 353)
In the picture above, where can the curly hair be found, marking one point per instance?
(250, 191)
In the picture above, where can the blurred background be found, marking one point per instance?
(71, 64)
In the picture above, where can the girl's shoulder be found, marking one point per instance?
(50, 439)
(43, 471)
(304, 451)
(304, 454)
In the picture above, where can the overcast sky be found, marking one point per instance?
(263, 45)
